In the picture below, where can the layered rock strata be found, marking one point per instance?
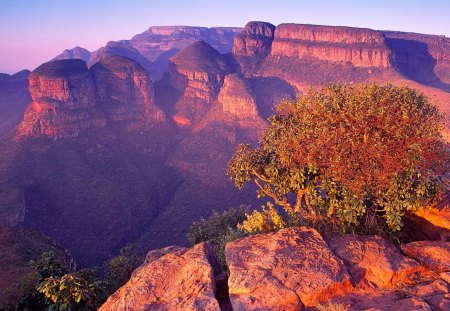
(63, 95)
(358, 46)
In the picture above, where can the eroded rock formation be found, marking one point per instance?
(236, 97)
(256, 39)
(171, 279)
(63, 104)
(292, 269)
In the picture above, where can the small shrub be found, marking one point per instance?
(219, 229)
(331, 306)
(264, 221)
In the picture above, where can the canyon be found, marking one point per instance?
(129, 143)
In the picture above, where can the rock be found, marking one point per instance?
(359, 46)
(74, 53)
(197, 72)
(236, 97)
(181, 279)
(283, 271)
(125, 89)
(432, 223)
(256, 39)
(63, 95)
(373, 261)
(435, 255)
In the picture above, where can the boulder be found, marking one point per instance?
(172, 279)
(373, 261)
(286, 270)
(435, 255)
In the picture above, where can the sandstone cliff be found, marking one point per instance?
(256, 38)
(197, 72)
(124, 90)
(236, 97)
(63, 104)
(292, 269)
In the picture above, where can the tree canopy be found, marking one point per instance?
(347, 154)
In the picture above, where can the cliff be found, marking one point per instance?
(124, 90)
(63, 95)
(197, 72)
(256, 38)
(236, 97)
(358, 46)
(292, 269)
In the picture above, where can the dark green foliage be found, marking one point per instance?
(219, 229)
(49, 265)
(120, 268)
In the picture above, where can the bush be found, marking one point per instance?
(265, 221)
(343, 157)
(120, 268)
(219, 229)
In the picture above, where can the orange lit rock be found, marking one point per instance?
(236, 98)
(170, 279)
(255, 39)
(283, 271)
(435, 255)
(358, 46)
(373, 261)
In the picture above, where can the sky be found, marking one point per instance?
(35, 31)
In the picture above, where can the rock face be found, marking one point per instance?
(283, 271)
(197, 72)
(180, 279)
(256, 39)
(236, 97)
(435, 255)
(125, 90)
(373, 261)
(358, 46)
(75, 53)
(63, 96)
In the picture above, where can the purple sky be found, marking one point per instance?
(34, 31)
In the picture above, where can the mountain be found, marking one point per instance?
(74, 53)
(105, 156)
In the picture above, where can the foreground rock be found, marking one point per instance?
(170, 279)
(435, 255)
(286, 270)
(373, 261)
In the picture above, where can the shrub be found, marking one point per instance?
(265, 221)
(341, 157)
(219, 229)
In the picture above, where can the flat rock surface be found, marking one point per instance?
(435, 255)
(286, 270)
(373, 261)
(171, 279)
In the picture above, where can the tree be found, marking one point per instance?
(349, 156)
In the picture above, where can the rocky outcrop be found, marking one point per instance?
(236, 97)
(124, 89)
(434, 255)
(373, 261)
(256, 39)
(74, 53)
(63, 104)
(358, 46)
(284, 271)
(197, 72)
(292, 269)
(174, 279)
